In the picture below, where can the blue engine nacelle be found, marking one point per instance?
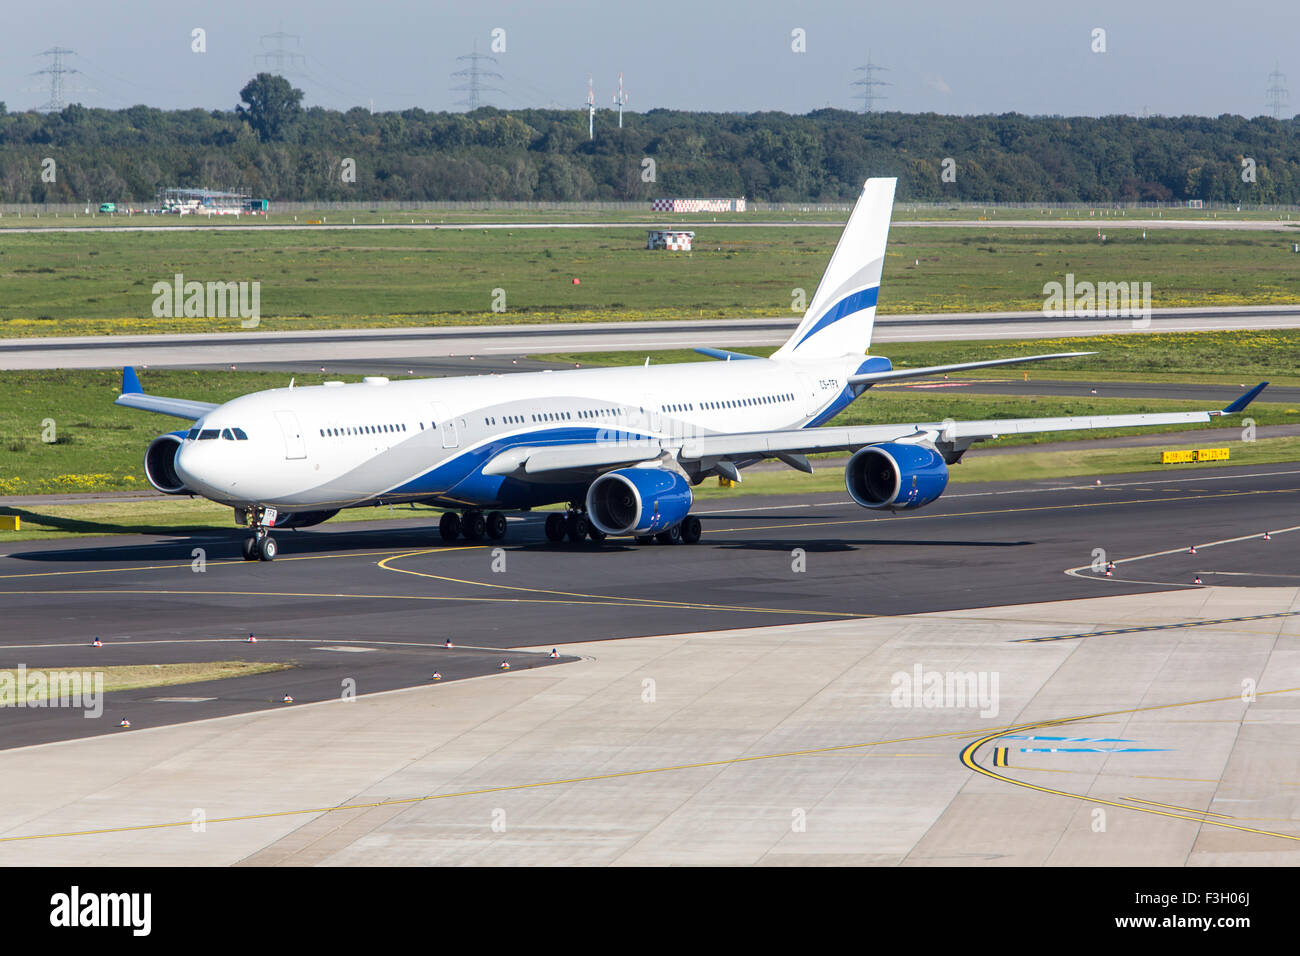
(638, 501)
(894, 476)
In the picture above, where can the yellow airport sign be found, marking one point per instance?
(10, 523)
(1194, 454)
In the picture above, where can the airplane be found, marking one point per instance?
(619, 448)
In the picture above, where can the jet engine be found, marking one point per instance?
(160, 464)
(895, 476)
(639, 501)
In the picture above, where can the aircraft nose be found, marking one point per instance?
(193, 465)
(185, 462)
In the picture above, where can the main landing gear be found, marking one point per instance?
(688, 531)
(574, 525)
(472, 525)
(259, 546)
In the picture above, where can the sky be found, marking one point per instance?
(1169, 57)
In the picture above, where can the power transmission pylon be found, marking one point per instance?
(869, 83)
(475, 76)
(56, 71)
(1277, 92)
(278, 59)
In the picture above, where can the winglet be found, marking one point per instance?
(1245, 400)
(130, 382)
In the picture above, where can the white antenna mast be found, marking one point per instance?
(620, 100)
(591, 109)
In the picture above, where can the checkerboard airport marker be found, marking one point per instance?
(435, 676)
(125, 723)
(1267, 536)
(1109, 572)
(96, 643)
(1198, 580)
(447, 643)
(505, 665)
(286, 699)
(251, 640)
(554, 653)
(1192, 549)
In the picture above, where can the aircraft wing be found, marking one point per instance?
(603, 456)
(133, 396)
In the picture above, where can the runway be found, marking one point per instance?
(393, 594)
(496, 346)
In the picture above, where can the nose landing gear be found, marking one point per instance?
(260, 546)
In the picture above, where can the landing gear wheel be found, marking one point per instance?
(449, 526)
(691, 530)
(555, 527)
(672, 536)
(595, 533)
(496, 525)
(575, 526)
(249, 548)
(267, 549)
(473, 526)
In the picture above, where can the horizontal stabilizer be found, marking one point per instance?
(870, 378)
(724, 354)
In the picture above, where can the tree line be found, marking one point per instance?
(272, 146)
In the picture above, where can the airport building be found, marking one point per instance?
(209, 202)
(698, 205)
(674, 240)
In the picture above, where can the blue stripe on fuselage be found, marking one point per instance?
(849, 393)
(459, 477)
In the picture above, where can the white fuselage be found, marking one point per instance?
(340, 445)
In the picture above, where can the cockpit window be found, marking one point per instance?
(240, 434)
(209, 433)
(192, 434)
(227, 434)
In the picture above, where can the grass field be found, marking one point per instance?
(133, 676)
(183, 516)
(102, 283)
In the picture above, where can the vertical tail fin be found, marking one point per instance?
(843, 310)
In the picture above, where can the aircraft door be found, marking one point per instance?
(447, 426)
(294, 444)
